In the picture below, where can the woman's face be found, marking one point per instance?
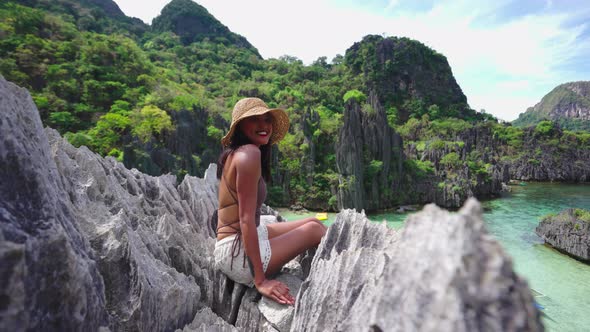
(257, 128)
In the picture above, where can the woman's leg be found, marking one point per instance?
(280, 228)
(288, 245)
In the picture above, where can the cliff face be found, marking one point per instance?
(567, 104)
(86, 243)
(187, 149)
(369, 158)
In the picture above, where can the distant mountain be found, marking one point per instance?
(193, 23)
(102, 16)
(568, 104)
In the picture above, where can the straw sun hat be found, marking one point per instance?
(254, 106)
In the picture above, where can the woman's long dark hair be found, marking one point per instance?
(238, 140)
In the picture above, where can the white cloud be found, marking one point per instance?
(503, 67)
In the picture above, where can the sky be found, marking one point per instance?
(505, 54)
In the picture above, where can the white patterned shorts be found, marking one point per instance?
(237, 271)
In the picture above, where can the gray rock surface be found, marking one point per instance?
(442, 272)
(279, 315)
(49, 275)
(205, 321)
(568, 233)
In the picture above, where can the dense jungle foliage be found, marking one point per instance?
(126, 90)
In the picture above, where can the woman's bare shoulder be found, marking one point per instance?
(248, 151)
(247, 156)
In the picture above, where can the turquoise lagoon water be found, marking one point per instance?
(561, 283)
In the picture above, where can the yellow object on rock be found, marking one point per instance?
(321, 215)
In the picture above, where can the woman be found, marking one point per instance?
(246, 251)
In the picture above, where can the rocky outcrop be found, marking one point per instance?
(86, 244)
(551, 159)
(205, 320)
(568, 232)
(441, 272)
(450, 185)
(369, 157)
(90, 243)
(49, 274)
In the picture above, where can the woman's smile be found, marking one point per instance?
(257, 128)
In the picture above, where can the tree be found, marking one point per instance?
(356, 95)
(150, 121)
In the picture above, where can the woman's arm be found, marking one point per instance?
(248, 172)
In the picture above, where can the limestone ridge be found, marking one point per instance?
(568, 104)
(366, 139)
(86, 243)
(442, 272)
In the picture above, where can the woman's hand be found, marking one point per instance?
(276, 291)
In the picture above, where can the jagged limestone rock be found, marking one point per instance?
(568, 233)
(150, 253)
(86, 242)
(280, 315)
(50, 279)
(441, 272)
(207, 321)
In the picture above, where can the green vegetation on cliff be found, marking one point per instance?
(158, 98)
(193, 23)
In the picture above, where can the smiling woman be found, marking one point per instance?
(243, 167)
(257, 128)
